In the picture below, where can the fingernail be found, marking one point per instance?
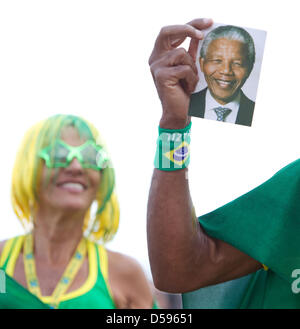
(207, 20)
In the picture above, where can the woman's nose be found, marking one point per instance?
(75, 165)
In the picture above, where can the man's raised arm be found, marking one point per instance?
(182, 256)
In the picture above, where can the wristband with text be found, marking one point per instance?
(173, 148)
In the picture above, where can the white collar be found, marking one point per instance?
(211, 103)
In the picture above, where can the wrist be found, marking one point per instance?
(173, 148)
(171, 122)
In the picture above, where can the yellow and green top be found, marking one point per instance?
(95, 293)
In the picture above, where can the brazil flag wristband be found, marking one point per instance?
(173, 148)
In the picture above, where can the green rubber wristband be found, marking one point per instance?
(173, 148)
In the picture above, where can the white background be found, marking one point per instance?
(90, 58)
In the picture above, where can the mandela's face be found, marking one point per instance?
(225, 68)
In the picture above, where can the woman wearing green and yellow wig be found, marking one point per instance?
(63, 193)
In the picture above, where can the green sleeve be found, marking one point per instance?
(264, 223)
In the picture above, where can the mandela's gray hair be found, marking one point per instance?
(231, 33)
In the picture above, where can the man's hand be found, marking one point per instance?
(174, 70)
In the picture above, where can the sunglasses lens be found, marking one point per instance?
(59, 154)
(89, 155)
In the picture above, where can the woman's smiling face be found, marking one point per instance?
(71, 188)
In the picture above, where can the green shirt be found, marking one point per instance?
(93, 294)
(265, 224)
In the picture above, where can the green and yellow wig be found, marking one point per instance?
(100, 224)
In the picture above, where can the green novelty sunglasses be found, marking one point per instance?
(60, 154)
